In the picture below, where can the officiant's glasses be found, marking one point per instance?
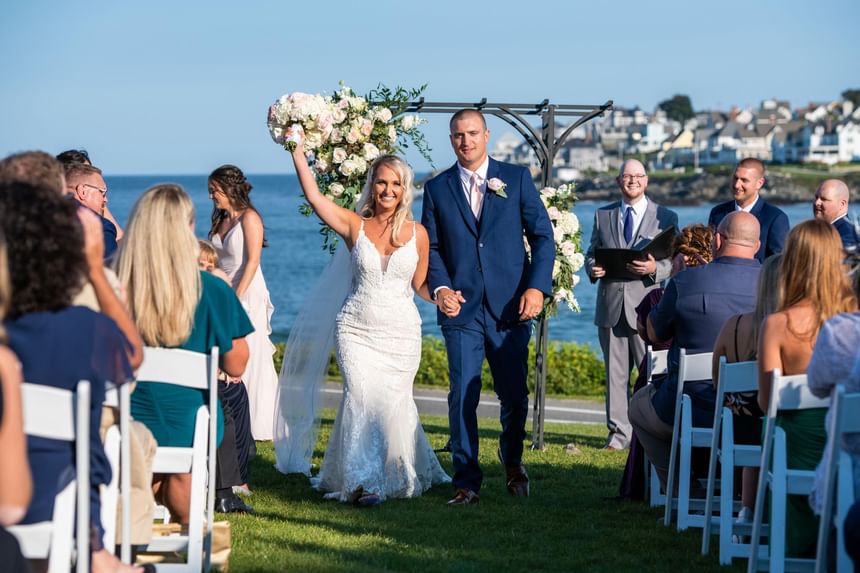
(638, 177)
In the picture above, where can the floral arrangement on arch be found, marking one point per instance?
(344, 133)
(569, 258)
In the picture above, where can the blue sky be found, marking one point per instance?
(172, 87)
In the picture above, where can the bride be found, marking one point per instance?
(377, 448)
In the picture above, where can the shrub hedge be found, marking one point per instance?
(573, 369)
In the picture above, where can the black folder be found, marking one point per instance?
(614, 261)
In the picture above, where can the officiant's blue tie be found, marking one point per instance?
(628, 225)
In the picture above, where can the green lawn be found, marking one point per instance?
(566, 524)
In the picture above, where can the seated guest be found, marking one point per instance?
(738, 342)
(814, 288)
(80, 156)
(692, 248)
(831, 205)
(16, 486)
(175, 305)
(747, 181)
(87, 185)
(47, 264)
(35, 168)
(835, 360)
(727, 285)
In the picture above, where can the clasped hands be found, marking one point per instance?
(450, 301)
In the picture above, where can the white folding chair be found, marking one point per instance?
(192, 370)
(58, 414)
(787, 393)
(118, 492)
(684, 438)
(838, 478)
(656, 363)
(736, 377)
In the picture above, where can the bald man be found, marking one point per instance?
(624, 224)
(748, 179)
(696, 304)
(831, 205)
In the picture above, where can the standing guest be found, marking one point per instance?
(695, 306)
(231, 391)
(175, 305)
(624, 224)
(87, 185)
(814, 288)
(48, 260)
(747, 181)
(81, 156)
(738, 342)
(488, 290)
(35, 168)
(237, 233)
(831, 205)
(692, 248)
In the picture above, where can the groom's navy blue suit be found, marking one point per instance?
(487, 261)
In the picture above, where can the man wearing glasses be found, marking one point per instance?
(624, 224)
(87, 185)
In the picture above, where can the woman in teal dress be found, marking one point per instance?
(815, 287)
(175, 305)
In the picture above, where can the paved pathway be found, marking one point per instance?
(435, 402)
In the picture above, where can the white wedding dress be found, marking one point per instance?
(377, 444)
(260, 377)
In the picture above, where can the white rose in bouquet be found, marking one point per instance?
(338, 155)
(568, 249)
(371, 152)
(556, 268)
(336, 189)
(348, 167)
(553, 213)
(359, 163)
(383, 114)
(321, 165)
(557, 234)
(570, 223)
(392, 134)
(366, 127)
(576, 261)
(335, 136)
(357, 103)
(353, 135)
(338, 115)
(408, 122)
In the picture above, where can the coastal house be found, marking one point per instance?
(824, 141)
(577, 156)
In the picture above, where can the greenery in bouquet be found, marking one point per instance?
(569, 258)
(343, 134)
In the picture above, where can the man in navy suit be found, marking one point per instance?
(831, 205)
(88, 186)
(488, 290)
(747, 181)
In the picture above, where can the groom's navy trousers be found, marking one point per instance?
(506, 350)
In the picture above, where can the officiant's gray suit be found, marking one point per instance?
(615, 314)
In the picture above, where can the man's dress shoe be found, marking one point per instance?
(464, 497)
(232, 504)
(517, 481)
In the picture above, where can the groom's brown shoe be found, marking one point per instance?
(464, 497)
(517, 481)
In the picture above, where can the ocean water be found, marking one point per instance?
(294, 258)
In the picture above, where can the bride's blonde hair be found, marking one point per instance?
(367, 203)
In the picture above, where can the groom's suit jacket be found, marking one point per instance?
(615, 295)
(773, 224)
(486, 259)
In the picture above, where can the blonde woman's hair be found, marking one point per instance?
(811, 270)
(367, 203)
(157, 265)
(5, 286)
(769, 292)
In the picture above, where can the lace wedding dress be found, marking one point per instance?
(377, 444)
(260, 377)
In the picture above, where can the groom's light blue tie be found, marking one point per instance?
(628, 225)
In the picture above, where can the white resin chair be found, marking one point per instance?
(657, 363)
(118, 491)
(838, 494)
(787, 393)
(192, 370)
(58, 414)
(685, 437)
(736, 377)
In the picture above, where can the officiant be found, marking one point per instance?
(627, 223)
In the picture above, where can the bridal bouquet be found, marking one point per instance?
(343, 134)
(568, 246)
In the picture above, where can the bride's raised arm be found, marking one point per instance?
(339, 219)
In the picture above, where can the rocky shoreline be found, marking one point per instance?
(701, 188)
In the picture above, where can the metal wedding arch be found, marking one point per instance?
(545, 144)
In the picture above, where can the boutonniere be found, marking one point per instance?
(498, 187)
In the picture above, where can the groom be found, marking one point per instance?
(476, 214)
